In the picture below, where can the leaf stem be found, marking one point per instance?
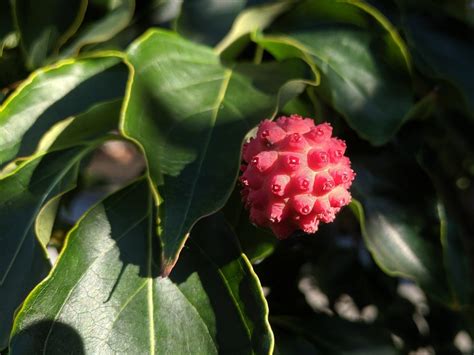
(257, 59)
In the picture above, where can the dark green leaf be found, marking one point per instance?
(23, 263)
(45, 25)
(363, 62)
(248, 21)
(456, 260)
(288, 343)
(218, 15)
(323, 334)
(93, 124)
(398, 218)
(117, 15)
(106, 285)
(6, 23)
(440, 157)
(53, 94)
(28, 203)
(443, 52)
(11, 69)
(190, 114)
(256, 243)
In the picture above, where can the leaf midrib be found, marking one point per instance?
(55, 182)
(98, 257)
(219, 100)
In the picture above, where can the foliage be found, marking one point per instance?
(163, 263)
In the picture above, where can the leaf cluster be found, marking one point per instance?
(161, 258)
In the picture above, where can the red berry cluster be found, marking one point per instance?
(295, 175)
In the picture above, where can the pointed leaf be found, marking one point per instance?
(23, 263)
(364, 63)
(117, 15)
(106, 285)
(190, 114)
(399, 221)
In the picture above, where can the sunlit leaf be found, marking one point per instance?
(23, 262)
(362, 60)
(190, 113)
(107, 284)
(55, 93)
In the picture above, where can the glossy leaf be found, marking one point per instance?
(250, 20)
(117, 15)
(190, 114)
(106, 284)
(97, 122)
(52, 94)
(363, 62)
(443, 53)
(29, 199)
(23, 263)
(218, 16)
(45, 25)
(94, 124)
(6, 24)
(399, 222)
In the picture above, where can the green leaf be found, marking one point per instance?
(396, 208)
(444, 54)
(6, 24)
(29, 199)
(323, 334)
(23, 263)
(54, 93)
(456, 260)
(105, 295)
(287, 343)
(117, 15)
(190, 114)
(256, 243)
(363, 62)
(45, 25)
(437, 157)
(87, 127)
(11, 69)
(250, 20)
(218, 15)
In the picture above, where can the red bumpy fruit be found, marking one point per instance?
(295, 175)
